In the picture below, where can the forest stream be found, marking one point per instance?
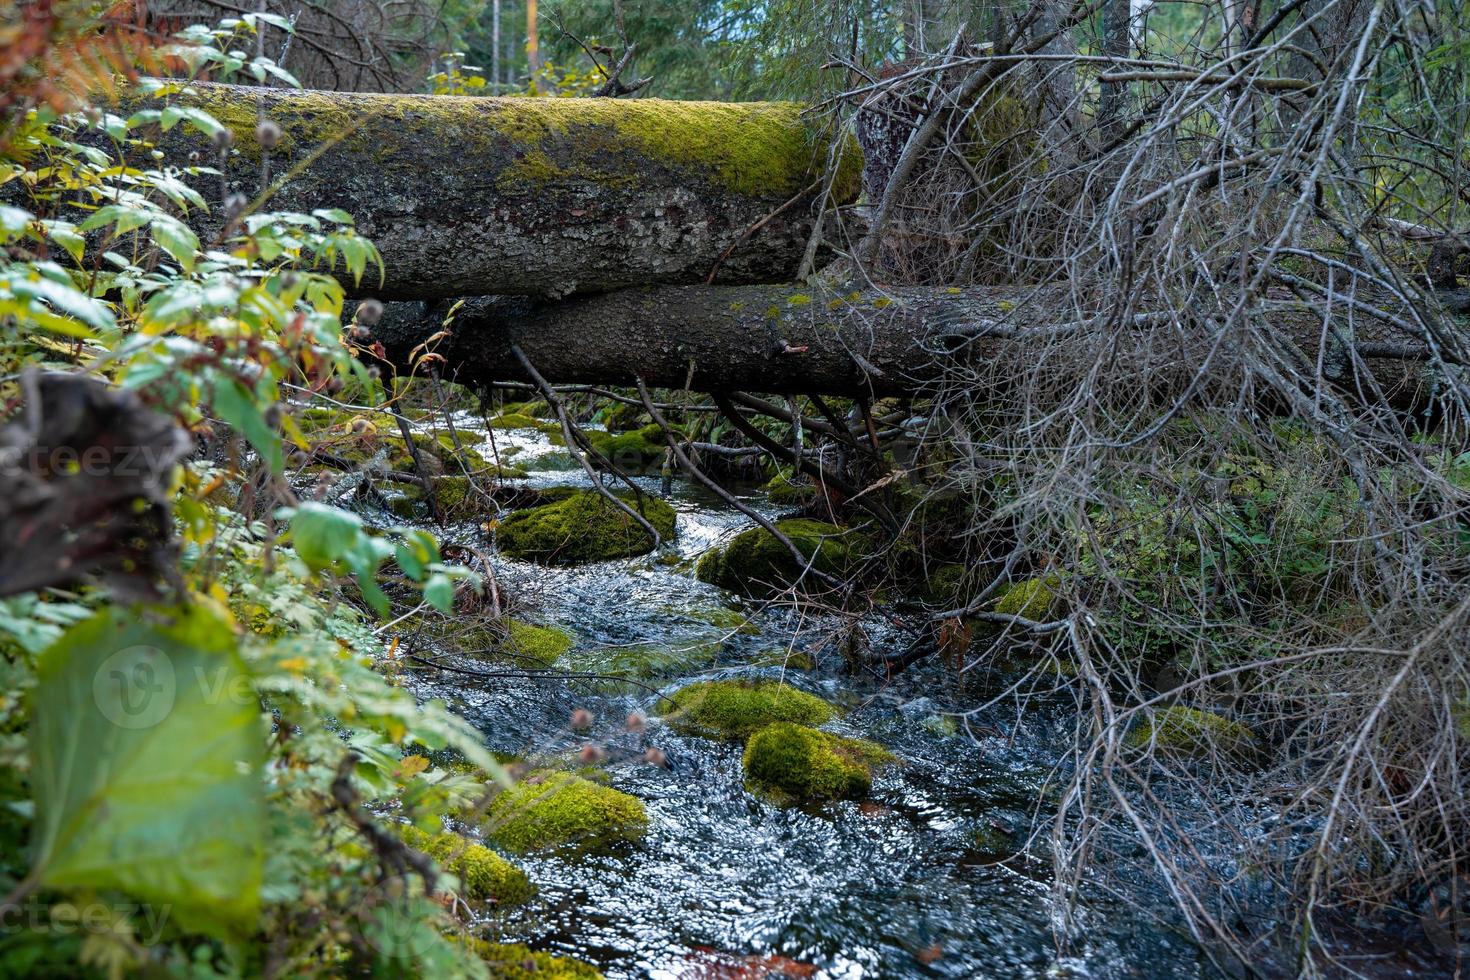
(918, 880)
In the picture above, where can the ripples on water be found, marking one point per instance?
(727, 886)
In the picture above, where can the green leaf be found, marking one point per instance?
(146, 758)
(439, 592)
(233, 404)
(322, 535)
(13, 222)
(175, 238)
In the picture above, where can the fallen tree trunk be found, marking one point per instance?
(788, 339)
(547, 197)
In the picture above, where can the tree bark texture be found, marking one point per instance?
(790, 339)
(546, 197)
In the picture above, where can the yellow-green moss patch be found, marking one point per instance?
(733, 709)
(483, 874)
(512, 961)
(755, 563)
(582, 526)
(1033, 599)
(787, 761)
(552, 810)
(1194, 733)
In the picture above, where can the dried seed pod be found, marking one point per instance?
(268, 134)
(369, 312)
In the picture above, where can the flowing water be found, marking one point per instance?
(725, 885)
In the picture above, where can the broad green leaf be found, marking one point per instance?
(147, 751)
(233, 404)
(322, 535)
(439, 592)
(176, 238)
(13, 222)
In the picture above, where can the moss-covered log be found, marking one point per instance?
(473, 196)
(793, 339)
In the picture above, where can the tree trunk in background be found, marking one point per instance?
(1116, 43)
(495, 78)
(786, 340)
(472, 196)
(533, 43)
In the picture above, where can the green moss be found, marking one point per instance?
(787, 761)
(788, 659)
(512, 961)
(483, 874)
(1194, 733)
(1032, 599)
(798, 299)
(948, 585)
(787, 489)
(758, 148)
(720, 617)
(582, 526)
(542, 643)
(623, 417)
(732, 709)
(628, 450)
(515, 420)
(755, 563)
(560, 809)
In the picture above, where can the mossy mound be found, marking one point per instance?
(550, 810)
(623, 417)
(755, 563)
(949, 585)
(789, 490)
(541, 643)
(483, 874)
(582, 526)
(1193, 733)
(493, 640)
(1033, 599)
(787, 761)
(733, 709)
(515, 420)
(512, 961)
(630, 451)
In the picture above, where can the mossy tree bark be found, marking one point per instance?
(546, 197)
(789, 339)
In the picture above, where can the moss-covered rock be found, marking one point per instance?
(624, 417)
(541, 643)
(1033, 599)
(501, 639)
(787, 761)
(949, 585)
(1192, 733)
(755, 563)
(733, 709)
(512, 961)
(582, 526)
(788, 489)
(483, 874)
(632, 451)
(551, 810)
(516, 420)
